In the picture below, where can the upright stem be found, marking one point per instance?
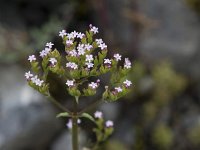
(75, 126)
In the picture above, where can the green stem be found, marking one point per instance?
(75, 126)
(58, 104)
(91, 106)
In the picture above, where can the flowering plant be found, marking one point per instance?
(86, 58)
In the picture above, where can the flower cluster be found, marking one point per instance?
(34, 79)
(85, 57)
(99, 115)
(37, 81)
(103, 129)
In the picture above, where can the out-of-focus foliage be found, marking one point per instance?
(161, 84)
(194, 135)
(162, 137)
(114, 145)
(194, 4)
(16, 44)
(45, 33)
(13, 44)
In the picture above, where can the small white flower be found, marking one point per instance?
(32, 58)
(74, 34)
(28, 75)
(80, 46)
(89, 65)
(69, 42)
(79, 121)
(117, 57)
(94, 29)
(93, 85)
(71, 35)
(107, 61)
(70, 83)
(34, 79)
(62, 33)
(89, 58)
(88, 47)
(72, 65)
(118, 89)
(102, 46)
(127, 63)
(49, 45)
(80, 35)
(98, 114)
(43, 53)
(98, 81)
(69, 124)
(99, 41)
(72, 53)
(127, 83)
(109, 123)
(39, 82)
(81, 51)
(53, 61)
(47, 50)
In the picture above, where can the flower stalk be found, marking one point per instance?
(85, 60)
(75, 145)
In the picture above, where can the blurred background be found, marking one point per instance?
(162, 38)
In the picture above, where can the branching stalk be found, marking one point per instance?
(75, 126)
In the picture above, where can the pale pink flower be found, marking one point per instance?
(99, 41)
(62, 33)
(107, 61)
(80, 35)
(98, 114)
(127, 83)
(72, 53)
(32, 58)
(93, 85)
(72, 65)
(28, 75)
(49, 45)
(89, 65)
(117, 57)
(109, 123)
(88, 47)
(70, 83)
(89, 58)
(102, 46)
(118, 89)
(94, 29)
(127, 63)
(53, 61)
(69, 42)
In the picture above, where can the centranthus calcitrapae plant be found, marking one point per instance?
(85, 58)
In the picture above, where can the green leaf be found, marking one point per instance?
(88, 116)
(73, 91)
(63, 114)
(77, 98)
(89, 36)
(83, 40)
(35, 66)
